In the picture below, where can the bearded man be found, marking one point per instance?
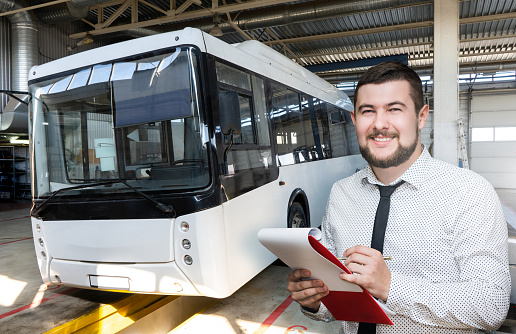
(445, 232)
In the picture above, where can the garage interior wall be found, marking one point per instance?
(54, 41)
(494, 160)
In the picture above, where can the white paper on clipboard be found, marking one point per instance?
(291, 245)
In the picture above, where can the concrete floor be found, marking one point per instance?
(261, 306)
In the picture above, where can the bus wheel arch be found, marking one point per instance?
(298, 211)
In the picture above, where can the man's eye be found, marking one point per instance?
(365, 111)
(395, 109)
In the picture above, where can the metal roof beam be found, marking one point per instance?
(179, 15)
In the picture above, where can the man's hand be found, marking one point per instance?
(374, 276)
(308, 293)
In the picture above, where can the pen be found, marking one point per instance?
(385, 258)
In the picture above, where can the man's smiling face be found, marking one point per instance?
(387, 124)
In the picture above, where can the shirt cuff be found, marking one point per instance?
(322, 314)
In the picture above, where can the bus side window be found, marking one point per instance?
(321, 117)
(261, 119)
(246, 119)
(292, 127)
(338, 133)
(260, 108)
(342, 132)
(350, 131)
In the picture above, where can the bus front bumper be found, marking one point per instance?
(156, 278)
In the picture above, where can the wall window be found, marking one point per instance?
(505, 133)
(496, 133)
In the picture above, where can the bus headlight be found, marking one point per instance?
(41, 243)
(185, 227)
(186, 244)
(188, 260)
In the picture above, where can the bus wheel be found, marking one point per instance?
(297, 217)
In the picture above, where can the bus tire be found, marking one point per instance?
(297, 216)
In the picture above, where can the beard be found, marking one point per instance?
(401, 155)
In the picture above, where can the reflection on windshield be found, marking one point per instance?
(136, 120)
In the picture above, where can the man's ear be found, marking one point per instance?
(423, 116)
(352, 112)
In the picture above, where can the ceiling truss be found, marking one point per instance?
(105, 26)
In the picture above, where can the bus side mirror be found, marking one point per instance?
(229, 113)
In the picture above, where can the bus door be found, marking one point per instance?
(248, 163)
(247, 171)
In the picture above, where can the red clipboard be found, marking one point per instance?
(348, 305)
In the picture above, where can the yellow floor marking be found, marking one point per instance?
(192, 317)
(114, 317)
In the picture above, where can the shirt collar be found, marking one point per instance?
(415, 175)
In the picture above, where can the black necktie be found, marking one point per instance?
(380, 225)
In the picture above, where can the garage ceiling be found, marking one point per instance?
(312, 32)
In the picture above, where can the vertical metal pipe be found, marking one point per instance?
(24, 54)
(24, 44)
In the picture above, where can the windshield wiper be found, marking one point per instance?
(161, 206)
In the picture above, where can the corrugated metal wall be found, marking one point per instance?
(53, 41)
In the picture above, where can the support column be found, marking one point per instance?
(446, 85)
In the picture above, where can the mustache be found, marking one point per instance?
(376, 133)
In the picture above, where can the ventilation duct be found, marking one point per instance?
(24, 55)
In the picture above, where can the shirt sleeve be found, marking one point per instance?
(480, 296)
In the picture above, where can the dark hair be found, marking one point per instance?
(394, 71)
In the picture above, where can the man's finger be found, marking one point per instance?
(298, 274)
(311, 295)
(352, 278)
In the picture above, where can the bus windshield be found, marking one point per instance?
(135, 120)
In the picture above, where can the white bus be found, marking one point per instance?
(156, 161)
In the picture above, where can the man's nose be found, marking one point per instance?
(381, 120)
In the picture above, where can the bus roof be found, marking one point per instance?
(251, 54)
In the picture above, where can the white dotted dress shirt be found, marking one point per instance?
(447, 237)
